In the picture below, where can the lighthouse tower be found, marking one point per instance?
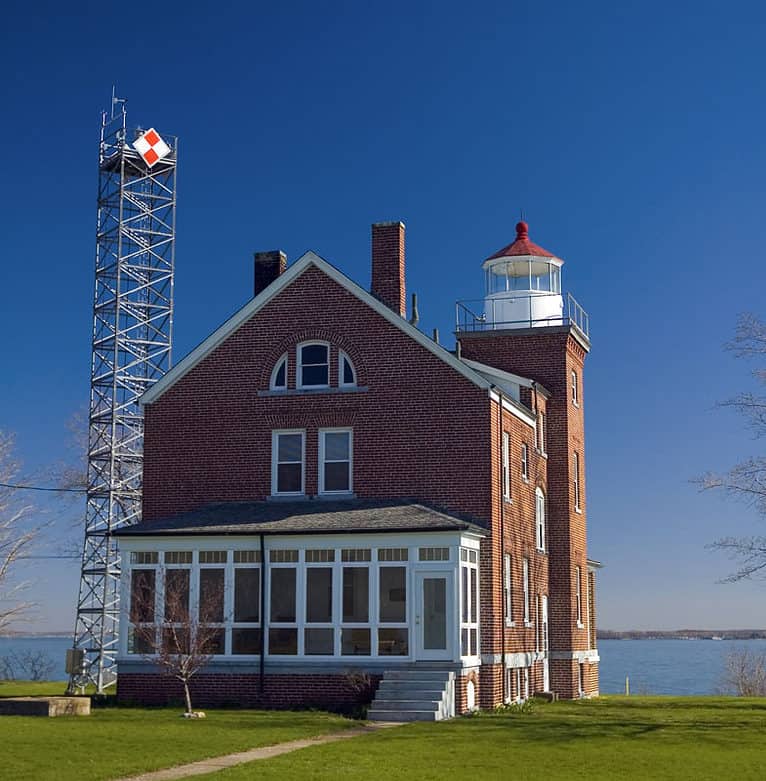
(526, 325)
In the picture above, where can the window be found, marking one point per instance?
(540, 518)
(433, 554)
(541, 432)
(246, 630)
(469, 603)
(346, 371)
(319, 634)
(283, 640)
(393, 640)
(507, 590)
(576, 479)
(313, 366)
(525, 587)
(575, 392)
(506, 465)
(356, 640)
(335, 461)
(524, 462)
(210, 611)
(279, 374)
(287, 457)
(578, 595)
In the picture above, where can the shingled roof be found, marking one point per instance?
(305, 517)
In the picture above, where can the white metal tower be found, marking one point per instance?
(132, 331)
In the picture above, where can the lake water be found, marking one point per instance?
(654, 666)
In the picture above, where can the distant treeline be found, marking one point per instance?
(683, 634)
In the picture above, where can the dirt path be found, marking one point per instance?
(266, 752)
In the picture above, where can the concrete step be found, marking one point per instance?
(416, 675)
(411, 704)
(425, 688)
(375, 714)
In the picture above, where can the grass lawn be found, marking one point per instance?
(114, 742)
(610, 738)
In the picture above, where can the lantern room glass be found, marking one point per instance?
(537, 275)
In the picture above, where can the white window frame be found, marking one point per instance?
(525, 587)
(350, 432)
(341, 358)
(299, 364)
(283, 360)
(525, 462)
(575, 389)
(274, 463)
(540, 518)
(541, 433)
(470, 606)
(576, 481)
(506, 466)
(578, 595)
(508, 589)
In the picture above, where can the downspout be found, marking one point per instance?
(263, 617)
(502, 531)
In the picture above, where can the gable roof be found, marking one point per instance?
(317, 517)
(306, 261)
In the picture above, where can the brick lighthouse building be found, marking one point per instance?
(356, 499)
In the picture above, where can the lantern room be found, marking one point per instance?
(523, 285)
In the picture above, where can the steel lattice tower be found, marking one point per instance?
(132, 331)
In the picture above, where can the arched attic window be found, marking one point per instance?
(346, 371)
(313, 365)
(279, 374)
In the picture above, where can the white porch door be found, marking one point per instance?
(433, 615)
(546, 671)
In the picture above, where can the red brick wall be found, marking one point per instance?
(420, 430)
(548, 355)
(208, 690)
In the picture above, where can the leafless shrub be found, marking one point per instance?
(744, 673)
(26, 666)
(179, 640)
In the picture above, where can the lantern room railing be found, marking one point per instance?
(488, 314)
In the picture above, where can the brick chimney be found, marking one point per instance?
(388, 265)
(268, 266)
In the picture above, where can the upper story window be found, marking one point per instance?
(540, 518)
(524, 462)
(541, 432)
(313, 365)
(288, 450)
(575, 390)
(346, 371)
(335, 461)
(576, 479)
(279, 374)
(525, 589)
(506, 465)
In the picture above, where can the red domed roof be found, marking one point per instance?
(522, 245)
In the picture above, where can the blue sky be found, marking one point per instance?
(630, 134)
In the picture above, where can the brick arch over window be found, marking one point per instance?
(290, 345)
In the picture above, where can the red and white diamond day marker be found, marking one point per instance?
(151, 147)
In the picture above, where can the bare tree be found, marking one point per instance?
(747, 480)
(16, 537)
(26, 665)
(745, 673)
(179, 639)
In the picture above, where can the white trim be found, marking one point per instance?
(525, 590)
(342, 356)
(186, 364)
(540, 519)
(520, 413)
(508, 589)
(506, 466)
(342, 430)
(299, 364)
(274, 453)
(499, 374)
(283, 359)
(576, 656)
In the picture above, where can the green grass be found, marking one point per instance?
(30, 688)
(114, 742)
(611, 738)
